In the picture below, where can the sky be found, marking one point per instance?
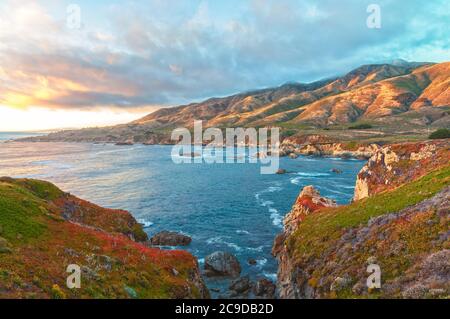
(84, 63)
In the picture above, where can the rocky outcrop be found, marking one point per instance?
(402, 228)
(167, 238)
(82, 212)
(307, 202)
(222, 263)
(319, 145)
(394, 165)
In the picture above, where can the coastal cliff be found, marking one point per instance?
(43, 230)
(399, 222)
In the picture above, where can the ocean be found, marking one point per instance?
(229, 207)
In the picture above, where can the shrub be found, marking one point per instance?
(360, 127)
(441, 133)
(57, 292)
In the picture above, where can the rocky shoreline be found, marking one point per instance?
(319, 145)
(309, 144)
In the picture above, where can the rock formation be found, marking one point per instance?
(222, 263)
(166, 238)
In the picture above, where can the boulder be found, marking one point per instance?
(252, 261)
(222, 263)
(241, 285)
(167, 238)
(281, 171)
(293, 155)
(264, 288)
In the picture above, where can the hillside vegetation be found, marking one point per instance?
(43, 230)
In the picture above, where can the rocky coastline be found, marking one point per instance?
(398, 219)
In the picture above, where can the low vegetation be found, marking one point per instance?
(39, 239)
(363, 126)
(440, 134)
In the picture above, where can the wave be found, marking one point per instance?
(334, 191)
(312, 174)
(271, 276)
(297, 180)
(345, 186)
(274, 215)
(145, 223)
(241, 231)
(261, 262)
(122, 149)
(276, 218)
(259, 249)
(219, 240)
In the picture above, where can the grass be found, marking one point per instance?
(21, 213)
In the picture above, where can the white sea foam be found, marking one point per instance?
(312, 174)
(122, 149)
(274, 215)
(241, 231)
(259, 249)
(272, 189)
(295, 180)
(261, 262)
(270, 276)
(219, 240)
(276, 218)
(145, 223)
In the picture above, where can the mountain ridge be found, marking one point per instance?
(401, 96)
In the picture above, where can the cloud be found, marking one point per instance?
(132, 55)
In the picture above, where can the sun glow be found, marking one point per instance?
(36, 118)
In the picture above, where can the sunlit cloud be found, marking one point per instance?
(131, 55)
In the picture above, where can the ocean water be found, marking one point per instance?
(6, 136)
(230, 207)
